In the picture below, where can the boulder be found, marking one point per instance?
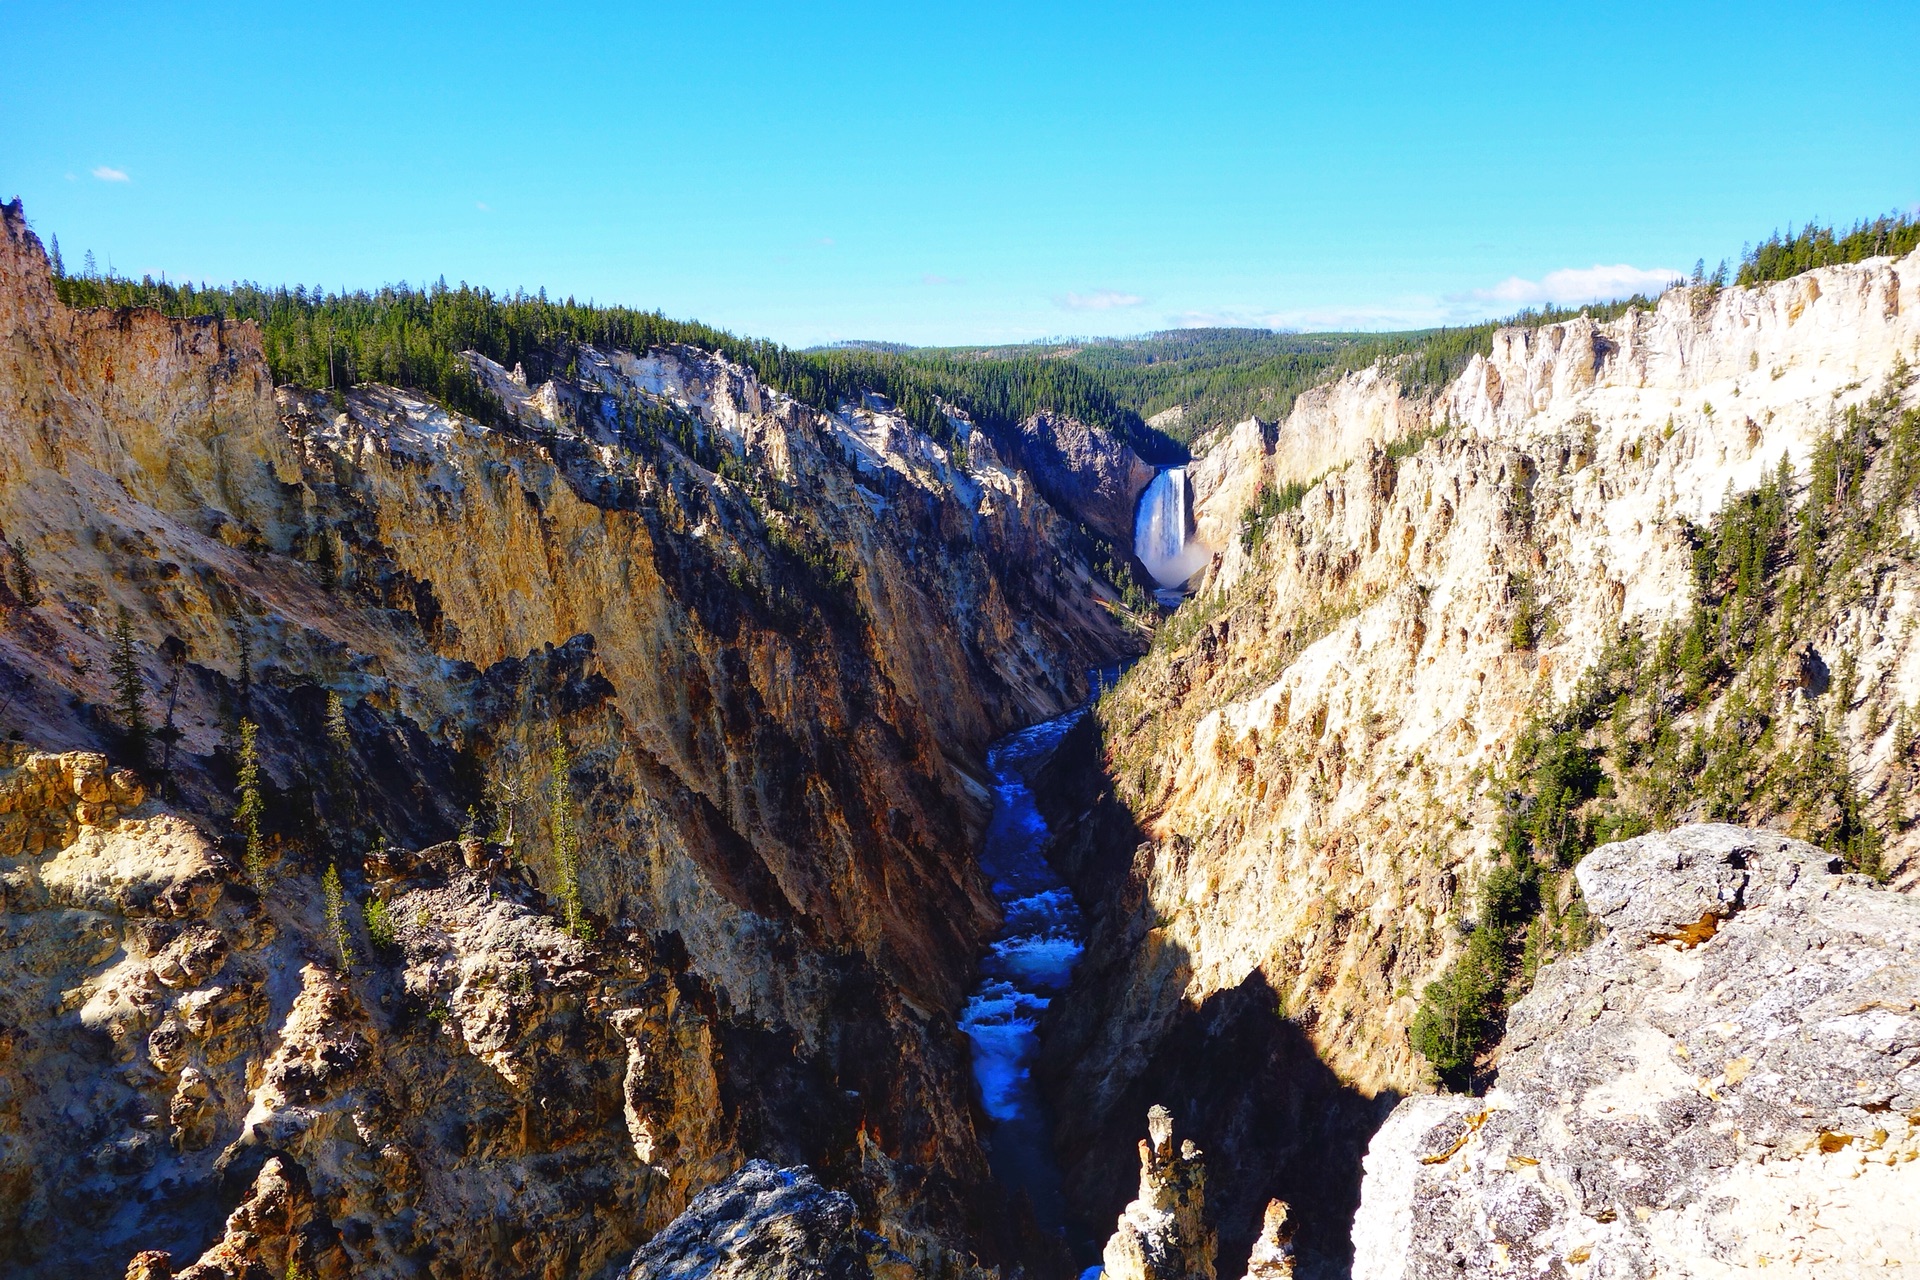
(1728, 1079)
(767, 1223)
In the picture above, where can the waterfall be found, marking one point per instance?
(1160, 531)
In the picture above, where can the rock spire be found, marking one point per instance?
(1272, 1257)
(1164, 1234)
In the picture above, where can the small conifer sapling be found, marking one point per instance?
(566, 839)
(129, 692)
(248, 810)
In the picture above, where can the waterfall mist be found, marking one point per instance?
(1160, 531)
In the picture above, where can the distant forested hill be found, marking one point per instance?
(412, 336)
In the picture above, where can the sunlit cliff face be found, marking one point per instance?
(774, 695)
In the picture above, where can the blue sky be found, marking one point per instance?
(946, 174)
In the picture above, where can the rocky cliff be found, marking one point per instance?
(452, 845)
(1587, 597)
(1084, 470)
(1728, 1080)
(1328, 427)
(704, 674)
(468, 1087)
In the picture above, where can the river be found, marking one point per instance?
(1030, 961)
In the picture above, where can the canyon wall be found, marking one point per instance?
(1084, 470)
(1282, 819)
(703, 675)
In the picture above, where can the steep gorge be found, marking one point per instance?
(747, 655)
(644, 731)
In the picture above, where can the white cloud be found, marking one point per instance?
(107, 173)
(1572, 285)
(1101, 300)
(1410, 315)
(483, 206)
(933, 278)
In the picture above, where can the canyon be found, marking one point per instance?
(699, 832)
(771, 698)
(1282, 821)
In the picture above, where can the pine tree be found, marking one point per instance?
(248, 811)
(336, 899)
(566, 847)
(174, 650)
(325, 561)
(245, 678)
(25, 586)
(129, 692)
(338, 731)
(380, 925)
(59, 267)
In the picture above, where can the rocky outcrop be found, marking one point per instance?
(764, 1223)
(1273, 1251)
(1164, 1234)
(1728, 1080)
(1329, 427)
(1084, 470)
(177, 1038)
(1226, 478)
(1312, 761)
(278, 1230)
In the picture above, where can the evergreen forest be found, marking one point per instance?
(413, 336)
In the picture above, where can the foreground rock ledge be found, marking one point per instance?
(1728, 1080)
(766, 1223)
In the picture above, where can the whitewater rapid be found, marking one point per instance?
(1029, 961)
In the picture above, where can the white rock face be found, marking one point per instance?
(1728, 1081)
(1226, 480)
(1328, 427)
(1314, 760)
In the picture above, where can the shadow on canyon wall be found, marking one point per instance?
(1238, 1070)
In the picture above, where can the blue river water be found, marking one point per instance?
(1029, 961)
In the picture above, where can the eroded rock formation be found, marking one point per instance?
(1273, 1251)
(1728, 1080)
(1164, 1234)
(173, 1031)
(1084, 470)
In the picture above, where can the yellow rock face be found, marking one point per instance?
(775, 691)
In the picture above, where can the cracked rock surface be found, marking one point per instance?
(1728, 1079)
(768, 1223)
